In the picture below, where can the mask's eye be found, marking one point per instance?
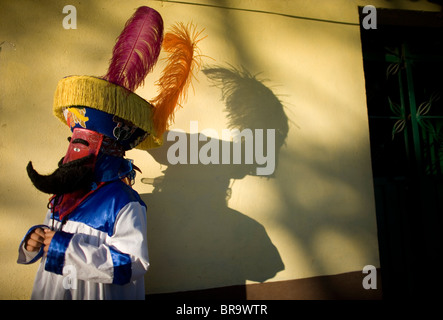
(77, 149)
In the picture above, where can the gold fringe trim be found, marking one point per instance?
(105, 96)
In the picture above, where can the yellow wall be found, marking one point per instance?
(315, 216)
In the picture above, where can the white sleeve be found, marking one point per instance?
(122, 258)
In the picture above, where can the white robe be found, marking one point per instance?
(94, 258)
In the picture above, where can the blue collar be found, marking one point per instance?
(109, 168)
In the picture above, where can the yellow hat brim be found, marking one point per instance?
(108, 97)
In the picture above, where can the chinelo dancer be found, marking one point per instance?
(92, 243)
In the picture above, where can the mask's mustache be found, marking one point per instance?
(69, 177)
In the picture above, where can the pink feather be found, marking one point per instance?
(137, 49)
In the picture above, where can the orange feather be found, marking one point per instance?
(182, 62)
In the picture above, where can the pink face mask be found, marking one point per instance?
(83, 143)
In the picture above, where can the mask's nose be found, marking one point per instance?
(83, 143)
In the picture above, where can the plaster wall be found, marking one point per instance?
(209, 225)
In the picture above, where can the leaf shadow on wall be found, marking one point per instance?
(195, 240)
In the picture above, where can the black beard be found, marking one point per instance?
(69, 177)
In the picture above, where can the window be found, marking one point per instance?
(403, 65)
(404, 77)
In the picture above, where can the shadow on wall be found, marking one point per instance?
(195, 240)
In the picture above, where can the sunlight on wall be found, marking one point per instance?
(353, 247)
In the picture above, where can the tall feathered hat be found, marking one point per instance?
(108, 104)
